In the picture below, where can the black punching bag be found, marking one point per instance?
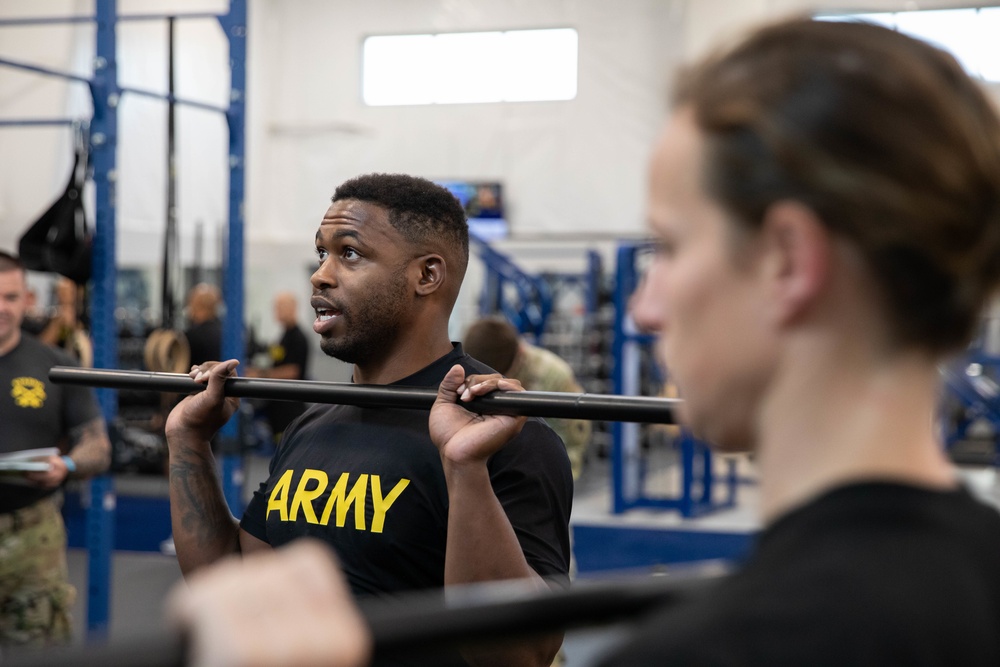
(59, 241)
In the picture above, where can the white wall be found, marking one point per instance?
(568, 167)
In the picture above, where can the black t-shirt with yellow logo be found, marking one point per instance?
(35, 412)
(369, 482)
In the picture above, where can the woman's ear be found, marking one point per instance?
(799, 251)
(433, 270)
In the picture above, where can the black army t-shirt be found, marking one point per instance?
(205, 341)
(35, 412)
(293, 348)
(369, 482)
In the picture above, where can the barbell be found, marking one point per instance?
(421, 625)
(558, 405)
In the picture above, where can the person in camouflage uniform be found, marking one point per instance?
(496, 343)
(35, 593)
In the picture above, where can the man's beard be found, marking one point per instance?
(371, 327)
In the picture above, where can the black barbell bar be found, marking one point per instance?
(421, 625)
(601, 407)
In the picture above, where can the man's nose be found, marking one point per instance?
(645, 308)
(323, 276)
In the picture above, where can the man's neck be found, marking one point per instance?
(11, 342)
(401, 362)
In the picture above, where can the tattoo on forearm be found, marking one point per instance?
(90, 448)
(198, 502)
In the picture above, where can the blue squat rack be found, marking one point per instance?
(526, 300)
(103, 143)
(971, 385)
(628, 472)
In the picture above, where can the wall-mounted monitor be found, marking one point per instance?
(484, 206)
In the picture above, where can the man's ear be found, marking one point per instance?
(432, 272)
(799, 250)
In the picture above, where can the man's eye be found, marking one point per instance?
(321, 254)
(350, 253)
(662, 248)
(665, 249)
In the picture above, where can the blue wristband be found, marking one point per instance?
(70, 463)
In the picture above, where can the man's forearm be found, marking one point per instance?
(90, 448)
(482, 546)
(203, 528)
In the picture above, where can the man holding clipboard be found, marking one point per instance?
(49, 433)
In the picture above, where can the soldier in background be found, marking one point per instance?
(35, 593)
(496, 343)
(204, 332)
(289, 359)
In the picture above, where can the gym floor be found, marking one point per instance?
(141, 580)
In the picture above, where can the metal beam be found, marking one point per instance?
(38, 69)
(55, 20)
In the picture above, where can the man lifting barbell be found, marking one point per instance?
(405, 506)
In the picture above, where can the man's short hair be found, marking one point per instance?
(885, 138)
(420, 210)
(9, 262)
(493, 341)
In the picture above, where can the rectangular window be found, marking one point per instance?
(470, 67)
(968, 34)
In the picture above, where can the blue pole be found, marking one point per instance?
(623, 273)
(103, 144)
(234, 24)
(592, 282)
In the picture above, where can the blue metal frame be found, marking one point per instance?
(589, 282)
(978, 396)
(103, 140)
(628, 471)
(621, 548)
(528, 307)
(38, 69)
(234, 25)
(103, 152)
(593, 281)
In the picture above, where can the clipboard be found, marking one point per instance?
(26, 460)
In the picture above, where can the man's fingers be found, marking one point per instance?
(451, 385)
(217, 375)
(480, 385)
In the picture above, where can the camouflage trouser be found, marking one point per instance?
(35, 593)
